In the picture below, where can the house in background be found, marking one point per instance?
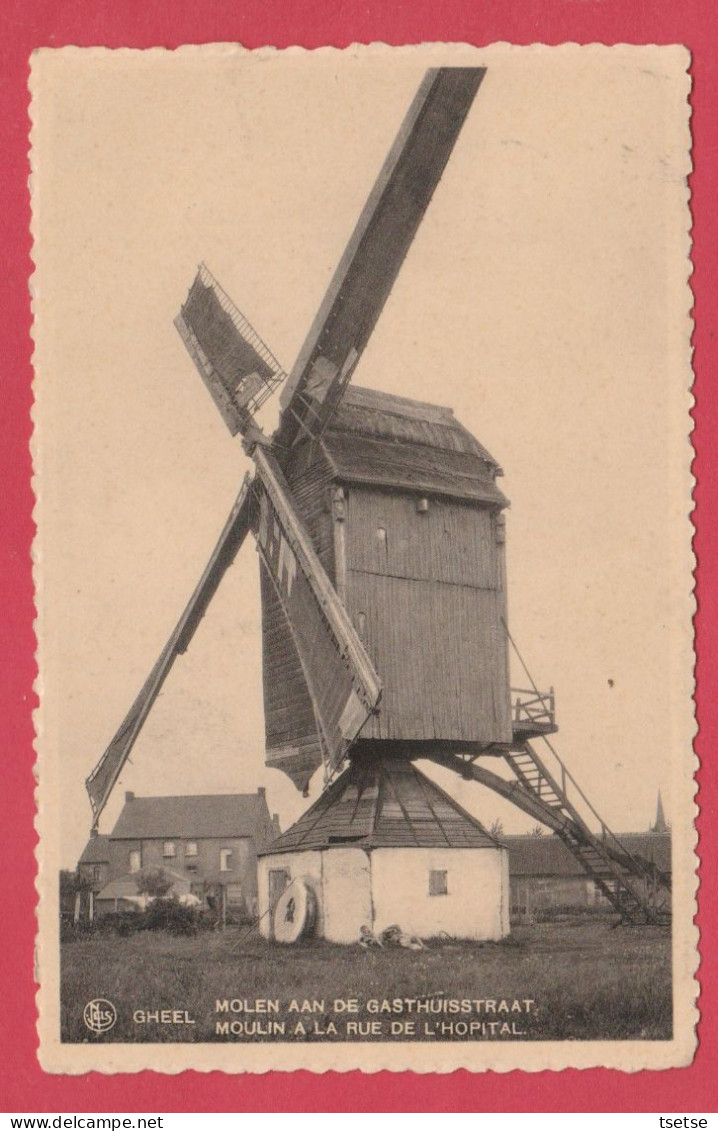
(94, 865)
(207, 844)
(545, 876)
(122, 894)
(93, 872)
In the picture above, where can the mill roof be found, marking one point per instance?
(548, 855)
(96, 851)
(379, 439)
(383, 803)
(200, 816)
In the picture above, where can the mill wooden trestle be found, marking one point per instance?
(379, 526)
(632, 885)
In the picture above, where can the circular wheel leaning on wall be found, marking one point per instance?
(295, 914)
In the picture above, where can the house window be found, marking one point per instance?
(135, 860)
(438, 883)
(97, 872)
(168, 848)
(225, 859)
(191, 849)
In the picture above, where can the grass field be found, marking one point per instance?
(586, 980)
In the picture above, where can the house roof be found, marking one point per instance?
(125, 886)
(96, 851)
(549, 856)
(205, 815)
(377, 438)
(383, 803)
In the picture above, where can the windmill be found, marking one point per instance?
(380, 534)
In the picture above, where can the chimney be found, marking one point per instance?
(261, 791)
(129, 795)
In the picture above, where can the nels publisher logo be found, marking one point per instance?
(99, 1015)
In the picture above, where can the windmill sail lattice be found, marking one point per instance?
(237, 367)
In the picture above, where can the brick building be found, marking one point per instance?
(207, 845)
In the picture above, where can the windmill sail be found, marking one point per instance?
(341, 679)
(367, 271)
(102, 779)
(293, 736)
(232, 360)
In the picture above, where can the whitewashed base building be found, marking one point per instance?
(384, 845)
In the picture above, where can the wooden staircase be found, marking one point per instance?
(638, 891)
(633, 886)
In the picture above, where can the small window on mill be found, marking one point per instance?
(168, 849)
(438, 883)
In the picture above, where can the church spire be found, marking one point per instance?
(661, 825)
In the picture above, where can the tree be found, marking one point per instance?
(67, 882)
(536, 831)
(71, 882)
(497, 828)
(154, 882)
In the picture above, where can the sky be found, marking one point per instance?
(544, 300)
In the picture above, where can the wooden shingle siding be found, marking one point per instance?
(440, 656)
(451, 542)
(401, 506)
(424, 591)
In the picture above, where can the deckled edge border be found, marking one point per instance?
(54, 1055)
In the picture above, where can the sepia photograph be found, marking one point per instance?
(363, 475)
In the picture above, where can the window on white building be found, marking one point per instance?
(438, 883)
(168, 848)
(191, 849)
(225, 859)
(135, 860)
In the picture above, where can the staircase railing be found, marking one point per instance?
(608, 838)
(533, 706)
